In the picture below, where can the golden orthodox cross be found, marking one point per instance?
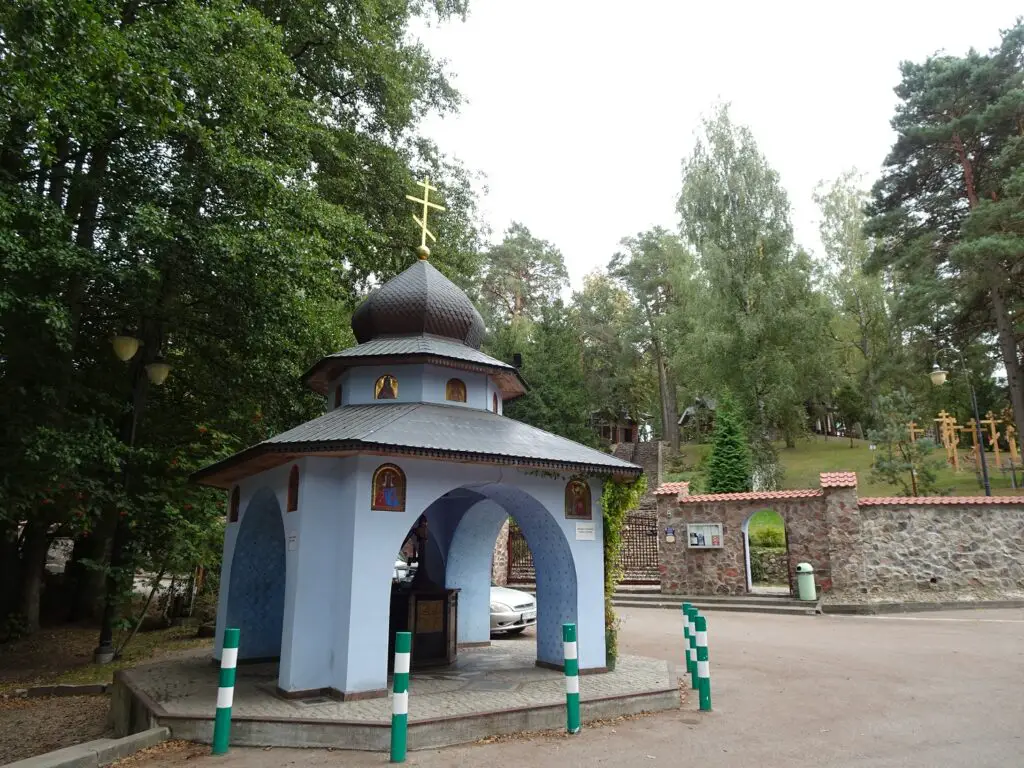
(915, 431)
(991, 421)
(427, 205)
(1011, 438)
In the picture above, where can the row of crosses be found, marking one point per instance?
(949, 435)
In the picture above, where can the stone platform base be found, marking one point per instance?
(488, 692)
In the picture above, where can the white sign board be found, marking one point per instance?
(585, 532)
(293, 541)
(704, 535)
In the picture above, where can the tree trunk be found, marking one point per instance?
(1011, 360)
(8, 568)
(85, 584)
(668, 401)
(33, 563)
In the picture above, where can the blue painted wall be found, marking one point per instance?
(469, 568)
(340, 561)
(416, 383)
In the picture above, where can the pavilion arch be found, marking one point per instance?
(257, 580)
(464, 524)
(749, 575)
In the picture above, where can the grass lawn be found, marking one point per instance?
(813, 455)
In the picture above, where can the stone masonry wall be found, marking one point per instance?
(858, 547)
(774, 563)
(499, 562)
(723, 571)
(941, 548)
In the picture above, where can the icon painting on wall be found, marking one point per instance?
(577, 500)
(455, 390)
(388, 489)
(386, 388)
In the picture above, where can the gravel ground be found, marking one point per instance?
(32, 726)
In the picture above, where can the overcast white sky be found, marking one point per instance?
(579, 113)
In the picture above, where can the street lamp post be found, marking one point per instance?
(125, 345)
(938, 377)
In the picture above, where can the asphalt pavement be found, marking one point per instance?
(923, 691)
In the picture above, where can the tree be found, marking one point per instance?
(944, 208)
(224, 178)
(617, 365)
(521, 275)
(728, 464)
(761, 329)
(861, 327)
(553, 367)
(907, 464)
(656, 269)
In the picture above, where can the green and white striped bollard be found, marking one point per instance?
(572, 678)
(693, 648)
(225, 692)
(703, 665)
(400, 698)
(687, 607)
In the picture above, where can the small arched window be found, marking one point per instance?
(577, 500)
(455, 390)
(337, 396)
(293, 489)
(388, 489)
(494, 402)
(386, 388)
(233, 506)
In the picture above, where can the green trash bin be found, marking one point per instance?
(805, 581)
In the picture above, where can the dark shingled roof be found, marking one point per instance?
(413, 349)
(419, 300)
(421, 429)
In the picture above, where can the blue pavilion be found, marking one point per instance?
(413, 430)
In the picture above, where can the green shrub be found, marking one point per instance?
(756, 568)
(768, 537)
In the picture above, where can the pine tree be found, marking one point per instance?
(729, 461)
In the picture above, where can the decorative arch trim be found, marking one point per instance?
(388, 489)
(236, 497)
(293, 489)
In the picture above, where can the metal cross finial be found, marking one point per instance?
(427, 205)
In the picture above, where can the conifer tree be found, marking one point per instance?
(729, 468)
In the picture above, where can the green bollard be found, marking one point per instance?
(225, 692)
(572, 678)
(693, 648)
(703, 665)
(400, 697)
(686, 634)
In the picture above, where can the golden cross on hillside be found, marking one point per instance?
(423, 251)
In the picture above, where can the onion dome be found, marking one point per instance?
(420, 300)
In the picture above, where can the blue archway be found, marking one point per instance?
(256, 588)
(471, 546)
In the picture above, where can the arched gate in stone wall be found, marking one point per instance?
(639, 556)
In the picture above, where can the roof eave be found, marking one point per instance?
(227, 472)
(326, 368)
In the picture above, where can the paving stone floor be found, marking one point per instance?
(503, 676)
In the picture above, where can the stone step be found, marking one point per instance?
(804, 609)
(752, 599)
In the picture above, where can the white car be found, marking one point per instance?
(512, 611)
